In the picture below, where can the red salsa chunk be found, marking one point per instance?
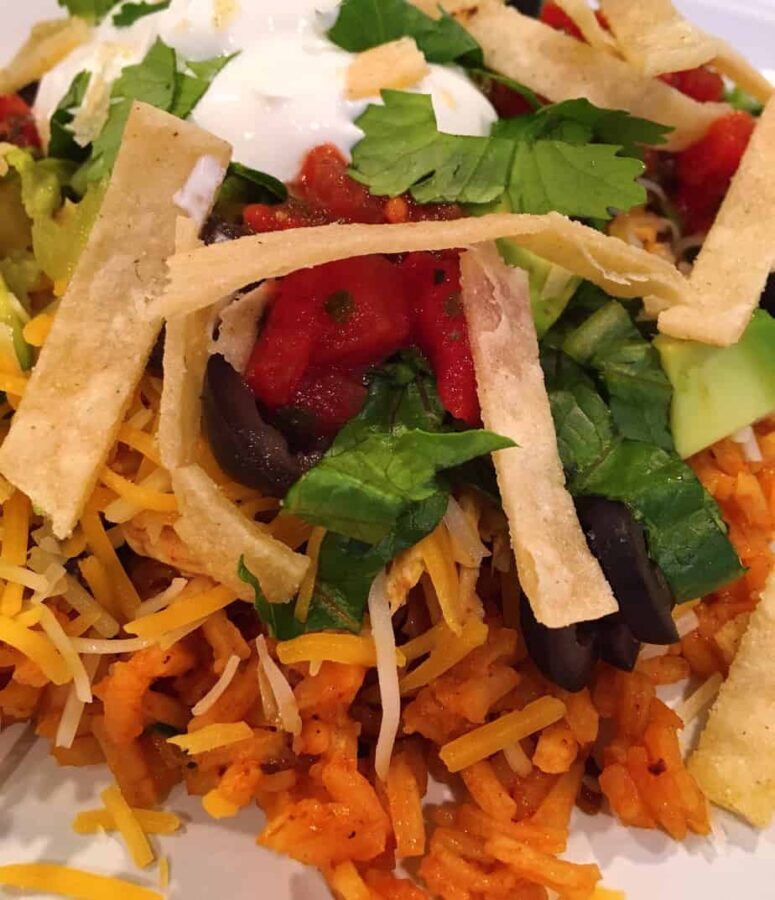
(17, 124)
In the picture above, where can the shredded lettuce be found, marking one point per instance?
(379, 490)
(13, 318)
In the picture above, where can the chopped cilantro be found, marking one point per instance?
(131, 12)
(91, 10)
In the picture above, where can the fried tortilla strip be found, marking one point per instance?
(219, 536)
(561, 578)
(67, 422)
(203, 276)
(560, 67)
(586, 21)
(735, 761)
(738, 255)
(656, 38)
(48, 44)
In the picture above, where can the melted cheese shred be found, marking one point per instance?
(287, 707)
(495, 736)
(212, 736)
(37, 647)
(128, 825)
(45, 878)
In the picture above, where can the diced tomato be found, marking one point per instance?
(700, 84)
(508, 104)
(324, 182)
(441, 331)
(557, 18)
(364, 311)
(705, 169)
(333, 396)
(17, 124)
(283, 350)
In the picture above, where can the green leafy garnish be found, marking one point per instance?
(62, 144)
(686, 535)
(91, 10)
(379, 490)
(245, 185)
(737, 98)
(158, 81)
(131, 12)
(363, 24)
(566, 157)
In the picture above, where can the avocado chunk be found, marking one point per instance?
(551, 286)
(719, 390)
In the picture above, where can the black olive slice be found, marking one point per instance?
(618, 645)
(640, 588)
(566, 656)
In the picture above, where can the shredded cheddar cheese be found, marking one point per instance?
(141, 441)
(45, 878)
(13, 384)
(99, 544)
(164, 872)
(212, 736)
(16, 531)
(36, 330)
(217, 806)
(180, 613)
(438, 556)
(446, 654)
(488, 739)
(129, 826)
(350, 649)
(142, 497)
(152, 821)
(36, 646)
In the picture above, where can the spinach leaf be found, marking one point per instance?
(363, 24)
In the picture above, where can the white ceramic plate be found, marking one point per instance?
(38, 800)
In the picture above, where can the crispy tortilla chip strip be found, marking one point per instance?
(586, 21)
(101, 337)
(219, 535)
(561, 68)
(735, 761)
(656, 38)
(203, 276)
(732, 268)
(48, 44)
(557, 571)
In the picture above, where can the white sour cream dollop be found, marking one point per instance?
(282, 95)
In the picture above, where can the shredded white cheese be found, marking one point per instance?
(162, 600)
(287, 707)
(121, 510)
(73, 708)
(83, 602)
(746, 437)
(217, 690)
(687, 623)
(466, 543)
(695, 703)
(64, 644)
(96, 647)
(196, 196)
(387, 673)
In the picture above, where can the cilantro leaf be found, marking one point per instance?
(92, 10)
(131, 12)
(62, 144)
(383, 470)
(363, 24)
(191, 88)
(546, 161)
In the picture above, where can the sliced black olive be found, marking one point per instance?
(527, 7)
(250, 451)
(217, 230)
(767, 301)
(618, 645)
(155, 364)
(30, 92)
(566, 656)
(640, 588)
